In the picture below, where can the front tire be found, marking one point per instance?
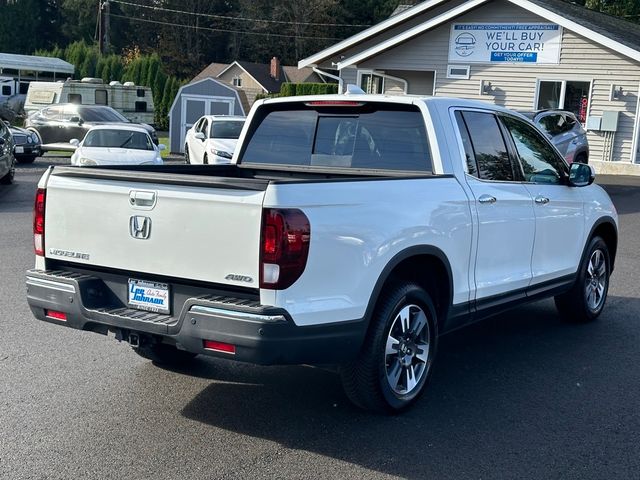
(395, 362)
(187, 160)
(205, 160)
(585, 301)
(581, 158)
(164, 354)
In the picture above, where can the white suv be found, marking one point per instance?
(350, 231)
(213, 139)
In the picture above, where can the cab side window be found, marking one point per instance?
(488, 146)
(540, 162)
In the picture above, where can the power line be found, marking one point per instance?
(245, 19)
(244, 32)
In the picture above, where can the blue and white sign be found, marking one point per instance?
(505, 43)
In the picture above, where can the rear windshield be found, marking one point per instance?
(371, 136)
(89, 114)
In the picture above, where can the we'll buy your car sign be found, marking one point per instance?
(505, 43)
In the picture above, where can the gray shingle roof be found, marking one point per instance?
(615, 28)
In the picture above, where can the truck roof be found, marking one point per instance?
(440, 102)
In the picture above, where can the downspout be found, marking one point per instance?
(329, 75)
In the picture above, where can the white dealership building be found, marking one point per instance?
(522, 54)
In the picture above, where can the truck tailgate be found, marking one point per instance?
(193, 228)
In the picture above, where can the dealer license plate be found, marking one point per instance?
(150, 296)
(19, 149)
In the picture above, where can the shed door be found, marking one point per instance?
(195, 106)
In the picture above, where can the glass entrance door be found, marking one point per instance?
(570, 95)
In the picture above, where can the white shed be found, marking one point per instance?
(203, 97)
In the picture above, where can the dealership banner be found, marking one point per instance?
(505, 43)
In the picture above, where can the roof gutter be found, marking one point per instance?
(329, 75)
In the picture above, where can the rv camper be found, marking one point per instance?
(134, 102)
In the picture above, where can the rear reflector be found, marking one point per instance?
(219, 347)
(57, 315)
(38, 221)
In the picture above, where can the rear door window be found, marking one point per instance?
(370, 136)
(489, 148)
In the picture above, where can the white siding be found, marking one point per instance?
(514, 86)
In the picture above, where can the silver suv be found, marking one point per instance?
(565, 132)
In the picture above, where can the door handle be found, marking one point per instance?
(486, 199)
(540, 200)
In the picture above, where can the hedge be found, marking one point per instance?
(295, 89)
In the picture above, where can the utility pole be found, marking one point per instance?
(104, 25)
(107, 25)
(100, 25)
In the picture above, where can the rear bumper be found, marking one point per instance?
(261, 334)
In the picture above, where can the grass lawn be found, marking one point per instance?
(164, 141)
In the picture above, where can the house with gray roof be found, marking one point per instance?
(522, 54)
(258, 78)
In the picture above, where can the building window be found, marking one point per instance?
(570, 95)
(458, 71)
(140, 92)
(371, 83)
(24, 88)
(75, 98)
(101, 97)
(237, 81)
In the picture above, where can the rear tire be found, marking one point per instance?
(585, 301)
(395, 362)
(164, 354)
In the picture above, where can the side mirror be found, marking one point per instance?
(75, 142)
(6, 122)
(581, 175)
(75, 120)
(162, 146)
(199, 136)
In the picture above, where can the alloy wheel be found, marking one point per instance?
(596, 280)
(407, 358)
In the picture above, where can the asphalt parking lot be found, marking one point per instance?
(522, 395)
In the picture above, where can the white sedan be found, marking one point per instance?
(116, 145)
(212, 139)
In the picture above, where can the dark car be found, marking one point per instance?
(57, 124)
(565, 132)
(7, 160)
(27, 144)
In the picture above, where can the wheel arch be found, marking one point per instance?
(605, 227)
(408, 265)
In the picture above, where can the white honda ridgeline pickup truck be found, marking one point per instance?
(350, 230)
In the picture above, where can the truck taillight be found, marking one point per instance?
(38, 221)
(286, 234)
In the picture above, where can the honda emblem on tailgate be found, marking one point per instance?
(140, 227)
